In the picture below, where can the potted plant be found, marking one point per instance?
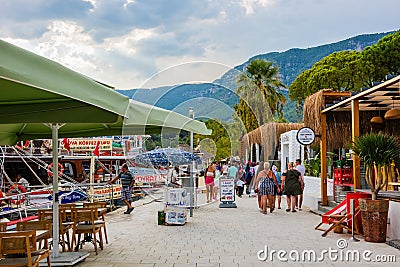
(378, 151)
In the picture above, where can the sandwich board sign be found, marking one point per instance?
(227, 192)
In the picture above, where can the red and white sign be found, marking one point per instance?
(82, 144)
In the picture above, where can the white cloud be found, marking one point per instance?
(250, 5)
(124, 42)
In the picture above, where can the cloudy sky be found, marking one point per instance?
(145, 43)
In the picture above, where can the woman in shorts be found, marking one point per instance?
(209, 181)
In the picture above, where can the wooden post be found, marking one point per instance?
(324, 191)
(355, 132)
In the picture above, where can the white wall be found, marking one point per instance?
(393, 230)
(312, 191)
(290, 148)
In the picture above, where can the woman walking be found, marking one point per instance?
(210, 174)
(266, 188)
(257, 182)
(291, 184)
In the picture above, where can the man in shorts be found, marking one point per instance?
(127, 182)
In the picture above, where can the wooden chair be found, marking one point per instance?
(338, 222)
(3, 226)
(85, 223)
(64, 225)
(101, 218)
(19, 249)
(67, 206)
(37, 225)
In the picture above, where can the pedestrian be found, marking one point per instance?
(172, 177)
(22, 181)
(302, 171)
(127, 182)
(278, 178)
(239, 181)
(216, 184)
(225, 168)
(291, 180)
(267, 186)
(232, 170)
(249, 177)
(240, 187)
(210, 175)
(256, 183)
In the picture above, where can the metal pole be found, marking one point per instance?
(54, 134)
(352, 208)
(191, 115)
(91, 178)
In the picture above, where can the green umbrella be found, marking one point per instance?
(40, 98)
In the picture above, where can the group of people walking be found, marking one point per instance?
(266, 181)
(270, 185)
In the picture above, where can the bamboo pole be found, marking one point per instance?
(324, 191)
(355, 133)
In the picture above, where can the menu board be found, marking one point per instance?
(227, 189)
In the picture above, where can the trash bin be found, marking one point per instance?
(161, 217)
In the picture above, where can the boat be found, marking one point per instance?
(82, 175)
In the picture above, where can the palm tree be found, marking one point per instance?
(265, 77)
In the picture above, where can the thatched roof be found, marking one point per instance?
(339, 122)
(267, 136)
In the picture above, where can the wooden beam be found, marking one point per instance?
(355, 133)
(324, 169)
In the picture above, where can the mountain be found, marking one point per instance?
(216, 100)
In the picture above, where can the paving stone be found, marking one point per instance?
(218, 237)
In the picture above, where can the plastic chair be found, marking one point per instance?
(19, 249)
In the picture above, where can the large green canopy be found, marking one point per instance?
(36, 91)
(40, 98)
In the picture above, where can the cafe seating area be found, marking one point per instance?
(31, 242)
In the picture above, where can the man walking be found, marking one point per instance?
(127, 182)
(232, 170)
(302, 171)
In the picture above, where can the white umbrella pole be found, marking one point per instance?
(54, 134)
(191, 188)
(91, 177)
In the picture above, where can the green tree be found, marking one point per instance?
(340, 71)
(259, 88)
(383, 57)
(349, 70)
(219, 136)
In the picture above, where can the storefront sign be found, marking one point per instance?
(81, 144)
(305, 136)
(147, 175)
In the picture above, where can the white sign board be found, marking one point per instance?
(305, 136)
(227, 187)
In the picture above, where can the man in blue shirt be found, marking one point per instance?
(127, 182)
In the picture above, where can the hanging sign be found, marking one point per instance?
(305, 136)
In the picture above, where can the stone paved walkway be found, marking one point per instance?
(222, 237)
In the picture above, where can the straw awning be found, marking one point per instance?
(357, 111)
(267, 136)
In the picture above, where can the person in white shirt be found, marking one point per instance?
(302, 171)
(22, 181)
